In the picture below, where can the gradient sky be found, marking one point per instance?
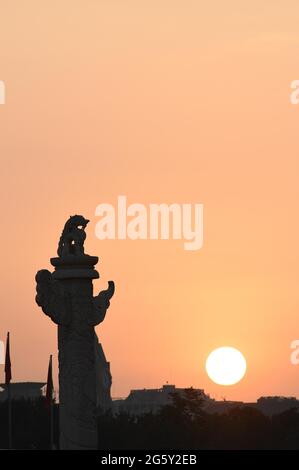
(162, 101)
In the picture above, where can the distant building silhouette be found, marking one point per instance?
(144, 401)
(222, 407)
(275, 405)
(269, 406)
(22, 390)
(149, 400)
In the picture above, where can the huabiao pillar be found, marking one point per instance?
(66, 296)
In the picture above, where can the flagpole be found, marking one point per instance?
(9, 418)
(49, 402)
(7, 383)
(51, 414)
(52, 425)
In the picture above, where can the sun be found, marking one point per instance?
(226, 366)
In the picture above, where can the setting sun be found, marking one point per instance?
(226, 366)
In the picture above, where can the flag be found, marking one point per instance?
(49, 391)
(7, 363)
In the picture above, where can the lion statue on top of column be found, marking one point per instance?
(73, 237)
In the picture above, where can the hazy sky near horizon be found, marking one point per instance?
(161, 101)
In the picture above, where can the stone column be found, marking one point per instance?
(66, 296)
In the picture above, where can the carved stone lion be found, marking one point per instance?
(73, 236)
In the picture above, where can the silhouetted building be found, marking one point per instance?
(149, 400)
(221, 407)
(275, 405)
(22, 390)
(267, 405)
(152, 400)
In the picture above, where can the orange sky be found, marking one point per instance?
(162, 101)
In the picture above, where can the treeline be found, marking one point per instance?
(184, 425)
(181, 425)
